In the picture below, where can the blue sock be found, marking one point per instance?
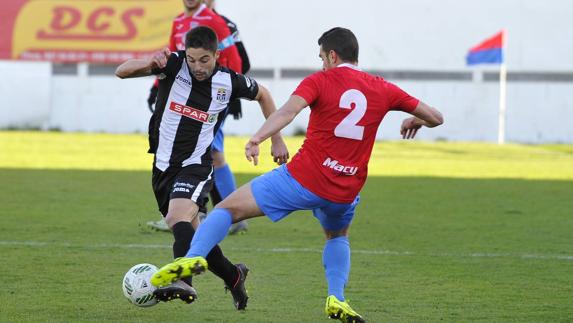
(212, 231)
(336, 261)
(225, 181)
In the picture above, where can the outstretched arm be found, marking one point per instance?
(143, 67)
(424, 115)
(279, 149)
(274, 124)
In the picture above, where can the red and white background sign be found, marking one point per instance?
(96, 31)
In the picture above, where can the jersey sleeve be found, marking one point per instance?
(400, 100)
(172, 47)
(309, 88)
(172, 44)
(245, 62)
(229, 56)
(171, 68)
(244, 87)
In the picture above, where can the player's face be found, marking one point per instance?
(201, 62)
(191, 4)
(327, 60)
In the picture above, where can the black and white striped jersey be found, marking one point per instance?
(188, 112)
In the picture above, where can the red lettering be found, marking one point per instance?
(66, 18)
(93, 19)
(127, 19)
(59, 22)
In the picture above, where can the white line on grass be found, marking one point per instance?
(291, 250)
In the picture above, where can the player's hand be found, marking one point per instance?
(252, 151)
(159, 59)
(279, 151)
(410, 127)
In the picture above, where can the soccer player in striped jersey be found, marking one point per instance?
(194, 94)
(327, 173)
(232, 55)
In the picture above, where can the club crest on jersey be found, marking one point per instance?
(193, 113)
(222, 95)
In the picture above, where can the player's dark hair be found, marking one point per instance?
(342, 41)
(202, 37)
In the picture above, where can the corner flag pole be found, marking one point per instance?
(502, 91)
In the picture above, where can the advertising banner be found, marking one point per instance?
(96, 31)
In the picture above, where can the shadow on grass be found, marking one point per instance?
(397, 212)
(428, 217)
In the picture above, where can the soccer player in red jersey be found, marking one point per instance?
(196, 14)
(329, 170)
(224, 183)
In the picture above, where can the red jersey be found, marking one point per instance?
(347, 107)
(206, 17)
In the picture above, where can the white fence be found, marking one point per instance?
(419, 44)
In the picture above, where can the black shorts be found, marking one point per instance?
(192, 182)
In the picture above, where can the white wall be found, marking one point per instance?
(537, 113)
(100, 104)
(25, 90)
(408, 35)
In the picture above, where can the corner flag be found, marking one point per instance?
(490, 51)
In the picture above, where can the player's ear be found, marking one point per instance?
(217, 54)
(332, 57)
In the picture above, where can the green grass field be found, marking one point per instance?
(444, 232)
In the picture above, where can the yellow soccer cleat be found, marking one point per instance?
(338, 310)
(180, 268)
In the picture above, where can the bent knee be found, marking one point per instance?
(237, 212)
(330, 234)
(241, 204)
(180, 210)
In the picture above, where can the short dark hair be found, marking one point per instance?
(342, 41)
(202, 37)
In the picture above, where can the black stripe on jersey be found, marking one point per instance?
(189, 130)
(180, 141)
(162, 95)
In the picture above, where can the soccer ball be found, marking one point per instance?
(137, 287)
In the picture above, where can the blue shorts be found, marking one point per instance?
(219, 140)
(278, 194)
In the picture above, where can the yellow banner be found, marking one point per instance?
(94, 31)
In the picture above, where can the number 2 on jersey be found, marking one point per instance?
(348, 127)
